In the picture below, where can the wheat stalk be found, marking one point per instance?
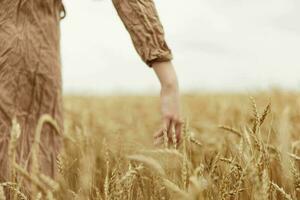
(294, 156)
(195, 141)
(32, 179)
(35, 146)
(281, 190)
(231, 130)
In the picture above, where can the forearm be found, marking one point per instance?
(166, 74)
(142, 22)
(170, 103)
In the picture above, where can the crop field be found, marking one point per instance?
(234, 146)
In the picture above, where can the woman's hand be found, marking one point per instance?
(170, 103)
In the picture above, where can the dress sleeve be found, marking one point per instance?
(143, 24)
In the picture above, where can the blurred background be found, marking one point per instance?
(232, 45)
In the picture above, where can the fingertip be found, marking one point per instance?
(156, 135)
(157, 142)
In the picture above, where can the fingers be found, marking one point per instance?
(173, 128)
(160, 137)
(158, 141)
(166, 123)
(178, 128)
(158, 134)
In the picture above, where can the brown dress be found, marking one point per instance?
(30, 69)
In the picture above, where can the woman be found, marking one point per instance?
(30, 73)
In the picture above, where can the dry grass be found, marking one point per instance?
(234, 147)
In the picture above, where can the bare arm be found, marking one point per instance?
(170, 101)
(143, 24)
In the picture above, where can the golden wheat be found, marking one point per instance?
(108, 152)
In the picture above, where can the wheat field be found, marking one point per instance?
(234, 146)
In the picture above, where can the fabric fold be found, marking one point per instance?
(145, 28)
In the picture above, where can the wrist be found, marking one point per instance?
(167, 75)
(171, 85)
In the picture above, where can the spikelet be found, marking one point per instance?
(166, 139)
(107, 176)
(237, 186)
(60, 164)
(264, 114)
(282, 192)
(256, 142)
(98, 194)
(197, 186)
(50, 196)
(296, 177)
(52, 184)
(214, 165)
(174, 138)
(230, 161)
(211, 177)
(266, 187)
(74, 194)
(130, 173)
(38, 196)
(295, 157)
(295, 145)
(15, 134)
(241, 148)
(194, 140)
(2, 195)
(174, 188)
(185, 168)
(256, 115)
(148, 161)
(184, 173)
(15, 188)
(248, 139)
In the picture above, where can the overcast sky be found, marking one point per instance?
(217, 45)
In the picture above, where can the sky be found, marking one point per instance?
(232, 45)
